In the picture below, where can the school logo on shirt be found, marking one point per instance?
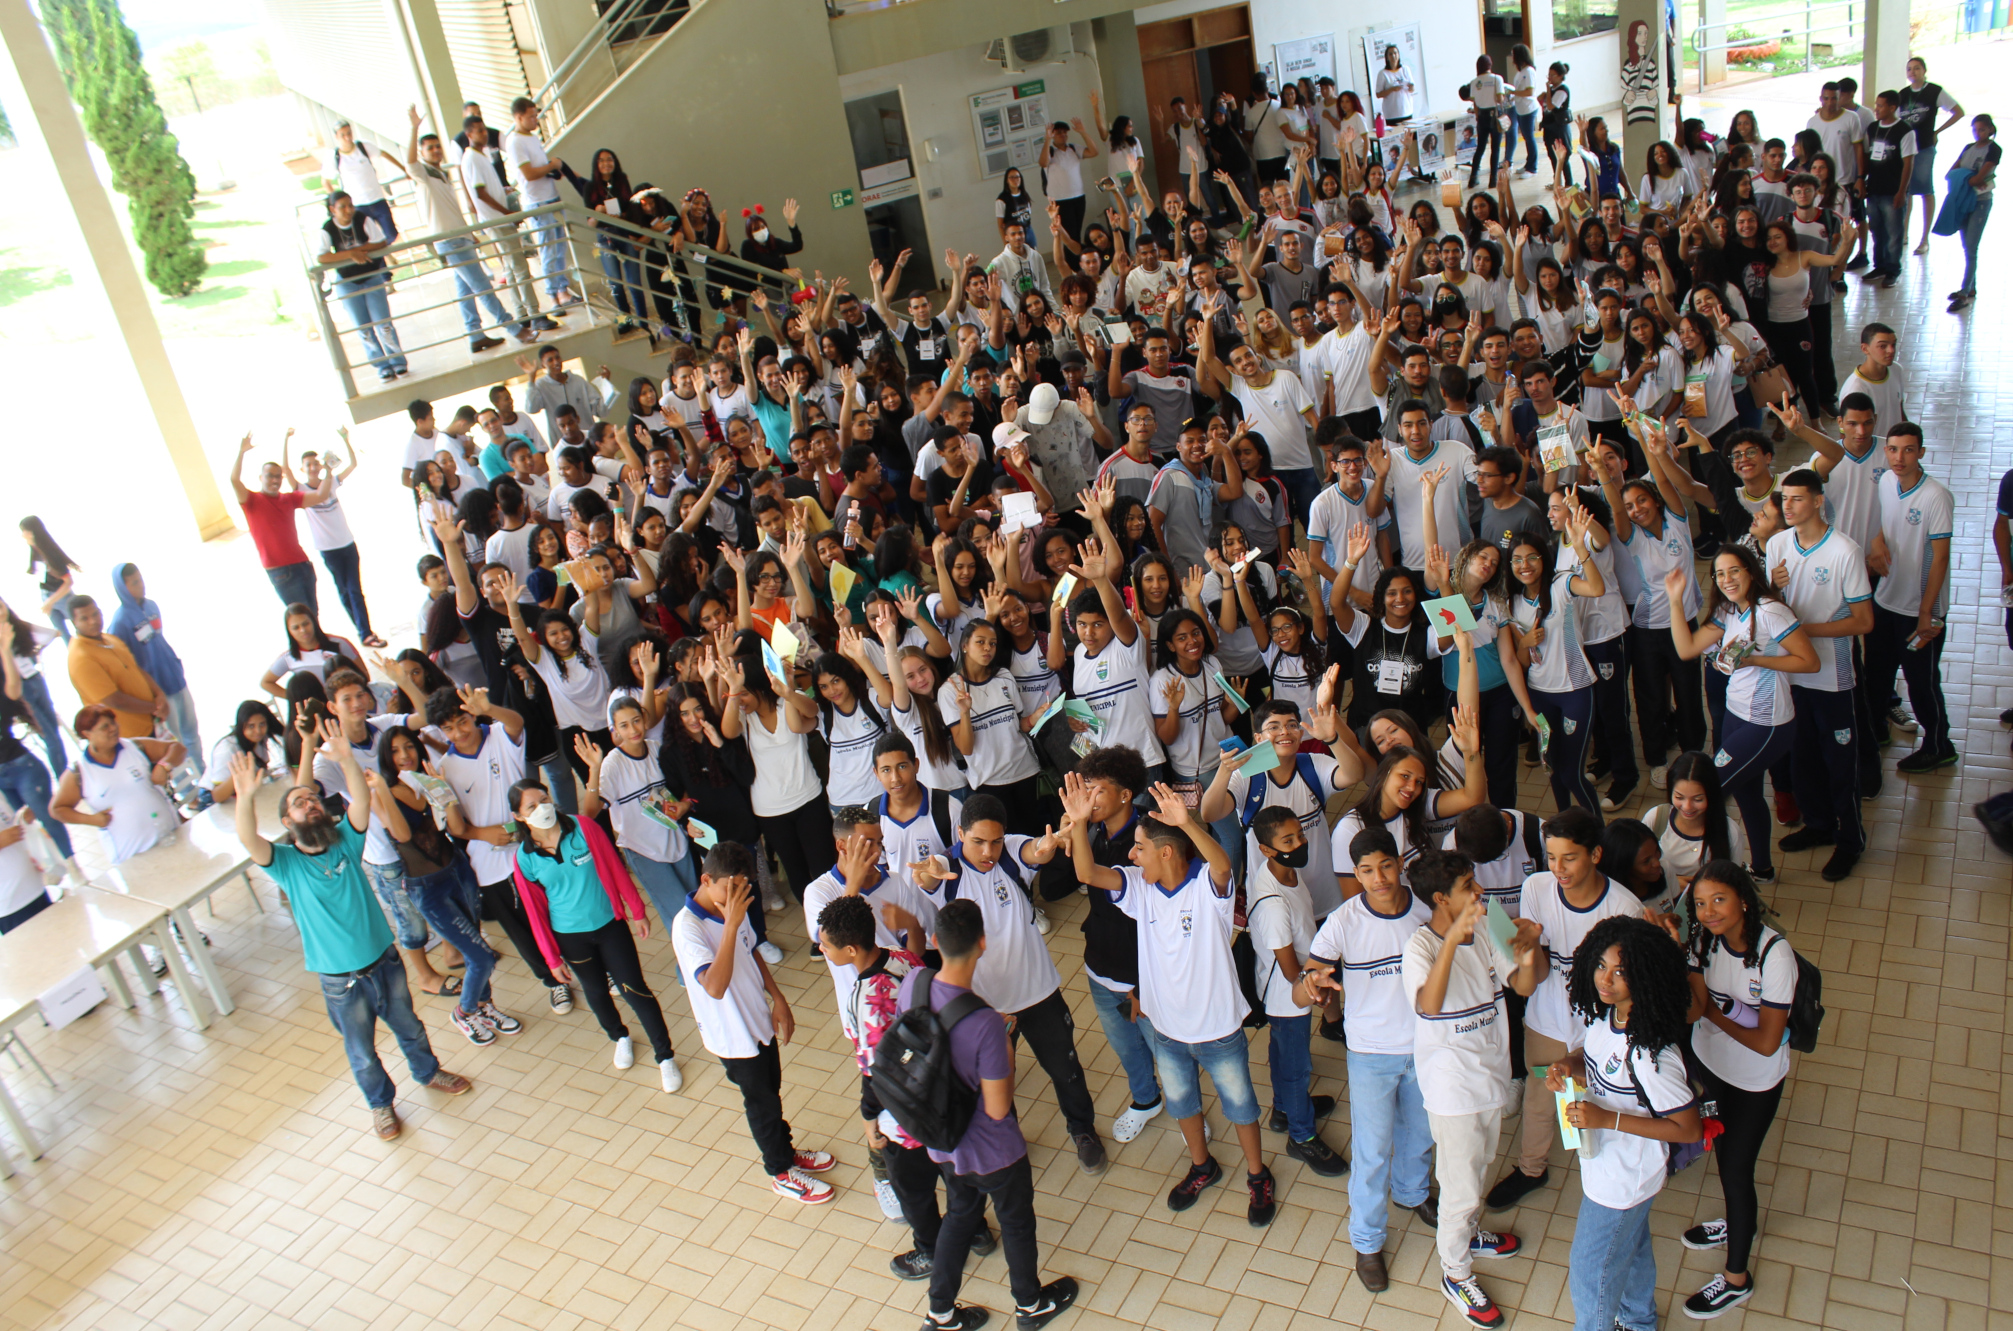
(1607, 669)
(1722, 758)
(1103, 671)
(1612, 1066)
(1821, 576)
(1674, 547)
(1842, 736)
(1754, 988)
(1000, 893)
(1187, 923)
(1915, 517)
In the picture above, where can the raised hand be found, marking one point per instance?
(1191, 583)
(1357, 544)
(1169, 806)
(590, 753)
(245, 774)
(1174, 692)
(474, 701)
(1078, 800)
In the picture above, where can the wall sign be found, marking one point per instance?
(1008, 124)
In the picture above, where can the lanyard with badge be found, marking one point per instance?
(1390, 670)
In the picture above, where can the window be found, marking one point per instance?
(1581, 18)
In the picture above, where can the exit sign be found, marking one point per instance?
(1034, 89)
(842, 198)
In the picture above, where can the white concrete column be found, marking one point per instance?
(46, 125)
(1713, 13)
(1886, 59)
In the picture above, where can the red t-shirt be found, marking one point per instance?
(271, 519)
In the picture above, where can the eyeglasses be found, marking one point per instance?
(770, 576)
(1745, 454)
(1355, 462)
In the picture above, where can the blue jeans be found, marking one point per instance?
(296, 585)
(624, 274)
(1887, 220)
(550, 237)
(370, 313)
(1612, 1271)
(668, 885)
(472, 285)
(182, 721)
(1974, 227)
(401, 907)
(35, 697)
(1392, 1140)
(451, 902)
(24, 781)
(1302, 485)
(355, 1004)
(1292, 1063)
(346, 572)
(59, 615)
(1135, 1054)
(558, 774)
(381, 212)
(1527, 125)
(1228, 1063)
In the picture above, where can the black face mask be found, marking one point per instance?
(1293, 859)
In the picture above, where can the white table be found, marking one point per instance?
(88, 927)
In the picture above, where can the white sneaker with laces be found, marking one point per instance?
(562, 998)
(891, 1205)
(1041, 923)
(1133, 1121)
(1660, 777)
(769, 952)
(674, 1080)
(625, 1054)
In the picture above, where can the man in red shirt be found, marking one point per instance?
(270, 514)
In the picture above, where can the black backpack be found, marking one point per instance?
(1244, 956)
(913, 1076)
(1806, 1010)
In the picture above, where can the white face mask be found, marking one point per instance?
(543, 816)
(761, 235)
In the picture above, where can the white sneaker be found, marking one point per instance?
(772, 901)
(1660, 777)
(625, 1054)
(674, 1080)
(891, 1205)
(1133, 1121)
(1041, 923)
(770, 953)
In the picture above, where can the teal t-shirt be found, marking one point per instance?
(574, 896)
(342, 926)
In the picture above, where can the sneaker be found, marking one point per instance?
(1838, 284)
(1333, 1030)
(963, 1317)
(1133, 1121)
(670, 1076)
(1856, 261)
(2006, 717)
(544, 325)
(1717, 1297)
(1839, 867)
(1192, 1183)
(500, 1022)
(1056, 1297)
(1264, 1200)
(483, 344)
(801, 1187)
(915, 1264)
(769, 952)
(472, 1025)
(1324, 1105)
(1660, 777)
(1513, 1187)
(815, 1162)
(1898, 717)
(1963, 302)
(1317, 1156)
(1428, 1212)
(1370, 1269)
(384, 1122)
(1531, 755)
(1488, 1243)
(1703, 1238)
(562, 998)
(1786, 811)
(985, 1243)
(891, 1207)
(625, 1054)
(1477, 1307)
(1615, 799)
(450, 1083)
(1041, 923)
(1089, 1153)
(1923, 761)
(1805, 839)
(772, 900)
(1516, 1105)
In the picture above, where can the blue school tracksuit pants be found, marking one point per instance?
(1746, 752)
(1827, 764)
(1571, 717)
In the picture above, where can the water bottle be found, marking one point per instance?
(1378, 124)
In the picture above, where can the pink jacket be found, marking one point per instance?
(615, 881)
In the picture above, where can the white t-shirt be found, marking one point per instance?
(512, 549)
(1838, 136)
(1729, 979)
(521, 150)
(890, 890)
(625, 781)
(1653, 554)
(1368, 949)
(1887, 396)
(912, 842)
(317, 663)
(1756, 693)
(737, 1023)
(327, 528)
(1625, 1169)
(1524, 84)
(1909, 522)
(1114, 684)
(1825, 582)
(1406, 493)
(1558, 664)
(785, 780)
(1262, 121)
(1016, 971)
(419, 450)
(1393, 90)
(937, 776)
(1308, 802)
(1187, 980)
(1274, 411)
(1037, 683)
(1605, 617)
(1293, 679)
(1852, 495)
(478, 171)
(580, 695)
(359, 173)
(1001, 754)
(1329, 520)
(124, 788)
(1502, 879)
(1062, 178)
(482, 782)
(1462, 1054)
(1562, 927)
(851, 739)
(1278, 915)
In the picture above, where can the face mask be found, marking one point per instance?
(1293, 859)
(543, 816)
(761, 235)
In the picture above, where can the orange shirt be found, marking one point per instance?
(103, 666)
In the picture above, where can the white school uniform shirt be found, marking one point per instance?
(1605, 617)
(512, 549)
(317, 663)
(1193, 752)
(1308, 803)
(1561, 929)
(1461, 1053)
(580, 696)
(1502, 879)
(1909, 521)
(933, 774)
(1852, 494)
(1329, 521)
(737, 1023)
(912, 842)
(889, 890)
(1038, 684)
(1241, 651)
(624, 783)
(1887, 399)
(1406, 491)
(218, 773)
(851, 739)
(1625, 1169)
(1292, 680)
(1825, 582)
(1729, 978)
(1016, 971)
(1755, 693)
(1367, 949)
(1278, 915)
(1274, 411)
(482, 782)
(1001, 754)
(328, 529)
(785, 780)
(1558, 664)
(1344, 360)
(141, 816)
(478, 171)
(1114, 685)
(1187, 980)
(1352, 822)
(1653, 554)
(378, 847)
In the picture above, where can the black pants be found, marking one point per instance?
(1012, 1193)
(761, 1081)
(1365, 425)
(1050, 1033)
(1746, 1116)
(499, 899)
(1502, 726)
(609, 953)
(802, 839)
(1565, 167)
(1489, 131)
(1023, 804)
(1869, 717)
(1072, 216)
(1610, 661)
(1827, 764)
(1659, 674)
(1790, 343)
(1887, 651)
(1823, 366)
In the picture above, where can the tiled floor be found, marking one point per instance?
(228, 1179)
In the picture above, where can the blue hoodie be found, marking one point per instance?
(138, 625)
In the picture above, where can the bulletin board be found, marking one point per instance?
(1411, 54)
(1008, 125)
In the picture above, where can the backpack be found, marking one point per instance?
(1244, 956)
(1533, 829)
(1254, 794)
(1677, 1155)
(913, 1076)
(1806, 1010)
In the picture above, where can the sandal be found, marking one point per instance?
(372, 640)
(450, 987)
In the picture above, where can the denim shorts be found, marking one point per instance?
(1228, 1063)
(399, 904)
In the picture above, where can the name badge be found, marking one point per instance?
(1390, 676)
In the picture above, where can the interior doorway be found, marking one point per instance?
(1193, 58)
(889, 192)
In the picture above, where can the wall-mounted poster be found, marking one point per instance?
(1008, 124)
(1432, 149)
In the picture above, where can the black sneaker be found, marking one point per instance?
(985, 1243)
(1330, 1030)
(1089, 1152)
(1192, 1183)
(963, 1317)
(914, 1264)
(1856, 261)
(1717, 1297)
(1839, 867)
(1264, 1204)
(1056, 1297)
(1316, 1155)
(1513, 1188)
(1922, 761)
(1806, 838)
(1324, 1105)
(2006, 717)
(1704, 1238)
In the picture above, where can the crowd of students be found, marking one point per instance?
(1127, 587)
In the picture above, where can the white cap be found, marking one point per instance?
(1006, 434)
(1041, 404)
